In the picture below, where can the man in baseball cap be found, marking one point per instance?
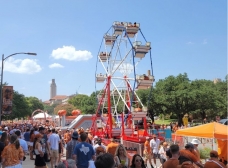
(187, 154)
(71, 145)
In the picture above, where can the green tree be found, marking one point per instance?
(34, 103)
(49, 109)
(78, 100)
(85, 103)
(204, 96)
(173, 95)
(68, 107)
(210, 99)
(221, 93)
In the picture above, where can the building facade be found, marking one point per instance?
(53, 89)
(57, 99)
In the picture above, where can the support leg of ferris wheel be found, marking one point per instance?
(96, 114)
(109, 107)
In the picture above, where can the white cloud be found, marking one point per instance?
(190, 43)
(56, 65)
(49, 82)
(22, 66)
(71, 54)
(205, 41)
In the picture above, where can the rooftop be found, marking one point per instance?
(59, 97)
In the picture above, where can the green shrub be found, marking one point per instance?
(205, 153)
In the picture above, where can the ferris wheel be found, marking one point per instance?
(118, 75)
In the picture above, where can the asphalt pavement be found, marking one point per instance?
(30, 163)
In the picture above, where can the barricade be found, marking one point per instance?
(133, 145)
(131, 152)
(162, 134)
(179, 140)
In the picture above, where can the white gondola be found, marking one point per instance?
(100, 78)
(132, 29)
(116, 132)
(104, 56)
(128, 131)
(109, 40)
(138, 115)
(141, 50)
(119, 27)
(99, 123)
(144, 81)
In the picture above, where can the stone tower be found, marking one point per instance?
(52, 89)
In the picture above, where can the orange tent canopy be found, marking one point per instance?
(210, 130)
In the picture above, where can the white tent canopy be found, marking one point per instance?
(41, 116)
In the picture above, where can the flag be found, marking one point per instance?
(7, 100)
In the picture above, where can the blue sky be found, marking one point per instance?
(186, 36)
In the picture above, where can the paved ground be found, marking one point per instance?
(205, 143)
(30, 163)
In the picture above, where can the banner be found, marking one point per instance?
(7, 100)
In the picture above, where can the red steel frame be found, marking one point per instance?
(108, 129)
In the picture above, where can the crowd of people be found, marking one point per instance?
(83, 150)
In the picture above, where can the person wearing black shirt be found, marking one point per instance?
(43, 142)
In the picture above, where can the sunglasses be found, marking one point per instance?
(138, 160)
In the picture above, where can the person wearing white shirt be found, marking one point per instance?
(162, 152)
(154, 144)
(53, 142)
(99, 145)
(23, 143)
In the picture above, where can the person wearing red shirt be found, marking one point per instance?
(213, 162)
(67, 137)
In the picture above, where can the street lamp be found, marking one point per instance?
(3, 59)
